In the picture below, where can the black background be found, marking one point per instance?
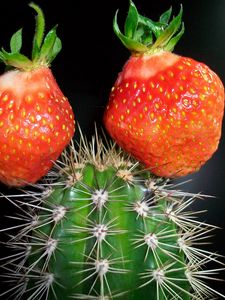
(92, 56)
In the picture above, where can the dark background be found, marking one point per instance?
(92, 56)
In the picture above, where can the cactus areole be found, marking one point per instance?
(101, 227)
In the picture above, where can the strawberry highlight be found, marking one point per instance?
(36, 119)
(166, 110)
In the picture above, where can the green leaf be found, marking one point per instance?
(1, 56)
(44, 49)
(48, 44)
(147, 38)
(168, 33)
(141, 34)
(16, 60)
(165, 17)
(153, 27)
(172, 43)
(16, 41)
(131, 21)
(55, 50)
(51, 46)
(39, 30)
(131, 44)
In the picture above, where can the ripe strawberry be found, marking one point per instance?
(36, 120)
(164, 109)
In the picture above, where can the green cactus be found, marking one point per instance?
(102, 227)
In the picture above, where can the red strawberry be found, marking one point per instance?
(164, 109)
(36, 120)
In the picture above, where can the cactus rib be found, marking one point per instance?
(102, 227)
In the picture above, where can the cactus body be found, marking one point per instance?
(104, 228)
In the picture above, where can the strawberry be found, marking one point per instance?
(164, 109)
(36, 119)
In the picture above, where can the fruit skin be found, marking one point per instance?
(101, 227)
(36, 123)
(166, 110)
(36, 119)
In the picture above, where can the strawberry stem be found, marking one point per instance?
(45, 48)
(39, 30)
(143, 35)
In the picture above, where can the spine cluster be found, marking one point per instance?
(101, 227)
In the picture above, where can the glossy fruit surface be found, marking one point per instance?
(166, 110)
(36, 121)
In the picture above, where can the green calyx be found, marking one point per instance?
(45, 47)
(142, 35)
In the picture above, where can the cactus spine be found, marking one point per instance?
(101, 227)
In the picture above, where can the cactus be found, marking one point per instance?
(102, 227)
